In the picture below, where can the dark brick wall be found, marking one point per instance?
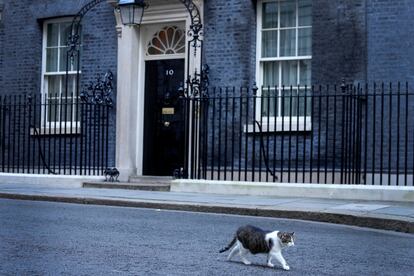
(339, 51)
(230, 41)
(1, 45)
(390, 40)
(21, 45)
(338, 41)
(359, 40)
(390, 58)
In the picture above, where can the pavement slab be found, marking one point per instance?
(397, 211)
(360, 207)
(397, 216)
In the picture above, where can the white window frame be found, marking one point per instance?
(55, 127)
(276, 123)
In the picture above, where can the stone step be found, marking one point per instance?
(161, 187)
(151, 179)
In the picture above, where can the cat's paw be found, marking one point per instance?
(270, 265)
(286, 267)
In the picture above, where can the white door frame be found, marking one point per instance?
(147, 32)
(131, 82)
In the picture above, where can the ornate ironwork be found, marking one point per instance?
(195, 86)
(194, 82)
(198, 83)
(205, 81)
(74, 36)
(196, 26)
(99, 92)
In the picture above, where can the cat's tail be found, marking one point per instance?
(229, 246)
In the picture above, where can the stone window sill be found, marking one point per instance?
(75, 130)
(294, 124)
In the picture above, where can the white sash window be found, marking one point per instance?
(59, 96)
(284, 54)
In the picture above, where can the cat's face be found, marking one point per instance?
(287, 238)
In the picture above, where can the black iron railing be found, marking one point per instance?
(347, 134)
(52, 134)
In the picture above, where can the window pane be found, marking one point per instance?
(52, 35)
(270, 74)
(154, 51)
(287, 14)
(289, 102)
(52, 109)
(293, 39)
(305, 72)
(64, 33)
(62, 59)
(269, 102)
(305, 42)
(66, 108)
(53, 85)
(294, 105)
(75, 59)
(51, 60)
(80, 34)
(67, 98)
(60, 97)
(71, 86)
(68, 88)
(269, 44)
(287, 43)
(74, 83)
(305, 101)
(179, 40)
(289, 73)
(305, 12)
(269, 15)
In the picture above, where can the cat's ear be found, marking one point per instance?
(292, 234)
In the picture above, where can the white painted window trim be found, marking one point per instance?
(181, 26)
(156, 17)
(283, 123)
(162, 57)
(46, 130)
(155, 27)
(48, 127)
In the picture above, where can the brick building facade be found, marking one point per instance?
(355, 40)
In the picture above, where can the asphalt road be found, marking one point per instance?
(43, 238)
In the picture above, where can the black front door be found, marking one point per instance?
(164, 118)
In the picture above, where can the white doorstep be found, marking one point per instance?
(329, 191)
(64, 181)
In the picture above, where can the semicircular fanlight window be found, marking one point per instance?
(168, 41)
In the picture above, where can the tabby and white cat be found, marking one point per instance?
(254, 240)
